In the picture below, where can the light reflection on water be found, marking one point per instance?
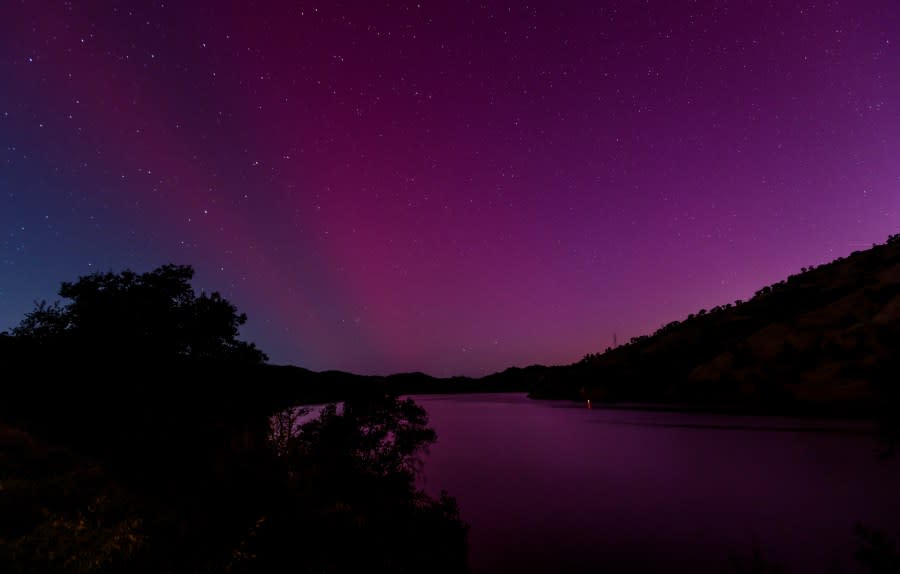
(551, 486)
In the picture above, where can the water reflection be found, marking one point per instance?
(557, 487)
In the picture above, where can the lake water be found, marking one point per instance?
(552, 486)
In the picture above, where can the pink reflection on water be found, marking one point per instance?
(548, 486)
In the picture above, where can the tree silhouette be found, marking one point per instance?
(44, 323)
(155, 314)
(351, 474)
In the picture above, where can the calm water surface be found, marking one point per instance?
(551, 486)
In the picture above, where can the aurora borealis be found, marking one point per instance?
(451, 187)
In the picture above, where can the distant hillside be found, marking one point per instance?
(827, 338)
(829, 335)
(296, 385)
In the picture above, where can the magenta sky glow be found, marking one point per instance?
(452, 187)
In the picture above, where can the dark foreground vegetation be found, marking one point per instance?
(138, 434)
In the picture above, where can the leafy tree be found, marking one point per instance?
(151, 314)
(45, 322)
(351, 473)
(379, 437)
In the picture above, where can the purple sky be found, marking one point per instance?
(452, 187)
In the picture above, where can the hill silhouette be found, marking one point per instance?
(826, 339)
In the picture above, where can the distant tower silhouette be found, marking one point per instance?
(615, 344)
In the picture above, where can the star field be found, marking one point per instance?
(452, 187)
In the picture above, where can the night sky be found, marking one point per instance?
(452, 187)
